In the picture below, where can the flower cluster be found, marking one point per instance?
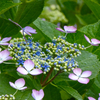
(59, 53)
(7, 97)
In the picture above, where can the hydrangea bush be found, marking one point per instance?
(43, 61)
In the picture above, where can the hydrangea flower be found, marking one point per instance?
(19, 84)
(93, 41)
(79, 76)
(4, 56)
(37, 95)
(28, 68)
(91, 98)
(5, 40)
(28, 30)
(68, 29)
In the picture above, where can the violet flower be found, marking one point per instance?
(28, 68)
(68, 29)
(5, 40)
(4, 56)
(28, 30)
(91, 98)
(93, 41)
(19, 84)
(37, 95)
(79, 76)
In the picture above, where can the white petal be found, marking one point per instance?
(77, 71)
(59, 29)
(28, 64)
(12, 85)
(22, 70)
(95, 41)
(20, 83)
(4, 54)
(73, 76)
(86, 74)
(83, 80)
(37, 95)
(70, 29)
(22, 88)
(35, 72)
(87, 38)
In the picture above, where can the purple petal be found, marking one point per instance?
(86, 74)
(6, 39)
(73, 76)
(70, 29)
(30, 29)
(95, 41)
(77, 71)
(99, 98)
(87, 38)
(4, 54)
(22, 70)
(99, 94)
(83, 80)
(59, 29)
(91, 98)
(36, 72)
(12, 85)
(20, 83)
(4, 43)
(37, 95)
(28, 64)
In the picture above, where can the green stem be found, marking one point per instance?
(47, 76)
(88, 47)
(51, 79)
(15, 92)
(8, 63)
(20, 27)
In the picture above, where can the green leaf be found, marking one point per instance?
(74, 93)
(94, 6)
(92, 31)
(28, 12)
(68, 7)
(85, 19)
(89, 61)
(47, 29)
(51, 93)
(7, 28)
(6, 5)
(5, 88)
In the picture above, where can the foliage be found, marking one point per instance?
(53, 52)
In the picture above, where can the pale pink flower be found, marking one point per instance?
(28, 68)
(91, 98)
(68, 29)
(28, 30)
(19, 84)
(5, 40)
(37, 95)
(79, 76)
(93, 41)
(4, 56)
